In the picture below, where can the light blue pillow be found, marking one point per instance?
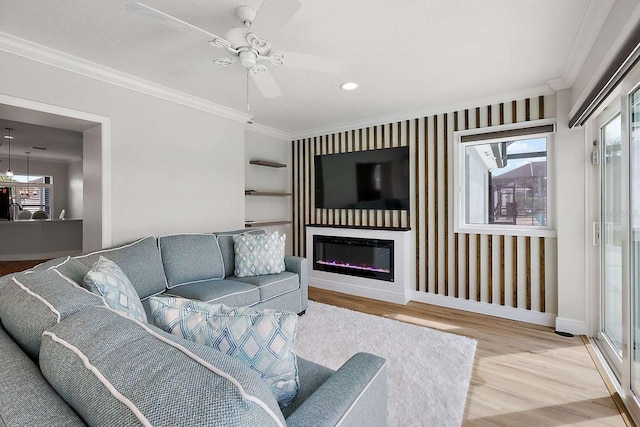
(107, 279)
(262, 339)
(259, 254)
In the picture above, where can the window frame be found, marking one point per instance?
(459, 183)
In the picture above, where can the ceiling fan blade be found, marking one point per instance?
(170, 21)
(272, 16)
(265, 82)
(311, 62)
(199, 66)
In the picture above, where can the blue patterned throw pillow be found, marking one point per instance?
(262, 339)
(259, 254)
(107, 279)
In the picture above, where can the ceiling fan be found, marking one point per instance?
(243, 45)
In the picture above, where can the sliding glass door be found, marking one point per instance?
(634, 237)
(618, 334)
(611, 235)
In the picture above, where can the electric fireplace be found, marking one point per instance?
(370, 258)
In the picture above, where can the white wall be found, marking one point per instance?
(174, 168)
(259, 208)
(570, 163)
(58, 170)
(74, 195)
(92, 228)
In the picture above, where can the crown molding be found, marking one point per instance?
(623, 35)
(36, 52)
(594, 18)
(266, 130)
(545, 89)
(558, 84)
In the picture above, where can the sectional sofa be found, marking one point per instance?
(67, 359)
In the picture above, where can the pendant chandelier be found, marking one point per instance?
(26, 192)
(9, 137)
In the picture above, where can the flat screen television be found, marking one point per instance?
(373, 179)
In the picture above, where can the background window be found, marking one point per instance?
(503, 182)
(33, 194)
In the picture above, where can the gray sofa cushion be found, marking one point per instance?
(73, 269)
(4, 280)
(140, 261)
(311, 376)
(189, 258)
(34, 302)
(227, 292)
(272, 285)
(92, 357)
(26, 399)
(225, 240)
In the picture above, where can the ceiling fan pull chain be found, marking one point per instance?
(248, 106)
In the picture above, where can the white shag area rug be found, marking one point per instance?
(428, 371)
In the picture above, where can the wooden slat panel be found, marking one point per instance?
(440, 212)
(431, 198)
(485, 266)
(550, 283)
(304, 219)
(476, 267)
(527, 270)
(535, 272)
(521, 111)
(417, 203)
(542, 274)
(462, 267)
(509, 272)
(521, 273)
(534, 111)
(496, 270)
(502, 264)
(448, 218)
(472, 261)
(294, 218)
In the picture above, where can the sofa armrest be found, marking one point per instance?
(298, 265)
(355, 395)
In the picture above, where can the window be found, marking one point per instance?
(503, 178)
(33, 193)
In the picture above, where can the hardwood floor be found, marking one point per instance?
(524, 375)
(7, 267)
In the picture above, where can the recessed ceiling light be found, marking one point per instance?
(349, 86)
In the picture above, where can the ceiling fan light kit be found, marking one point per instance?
(246, 47)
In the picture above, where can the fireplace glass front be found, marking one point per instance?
(370, 258)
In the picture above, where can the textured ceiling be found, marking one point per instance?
(407, 56)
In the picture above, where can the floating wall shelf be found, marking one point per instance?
(264, 193)
(267, 163)
(266, 223)
(251, 192)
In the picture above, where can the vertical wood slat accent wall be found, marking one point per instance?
(508, 271)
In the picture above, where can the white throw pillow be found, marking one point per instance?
(261, 339)
(259, 254)
(107, 279)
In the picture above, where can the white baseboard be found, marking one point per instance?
(347, 288)
(519, 314)
(575, 327)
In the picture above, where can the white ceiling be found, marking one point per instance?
(61, 144)
(407, 56)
